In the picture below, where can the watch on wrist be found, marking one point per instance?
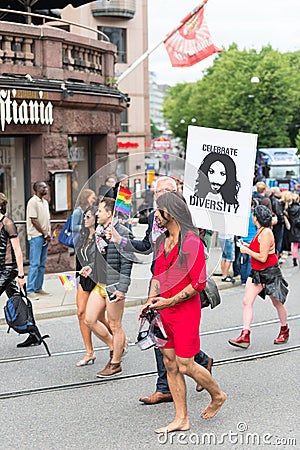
(21, 276)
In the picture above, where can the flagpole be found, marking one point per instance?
(149, 51)
(113, 215)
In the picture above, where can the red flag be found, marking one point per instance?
(191, 41)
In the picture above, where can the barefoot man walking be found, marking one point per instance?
(178, 279)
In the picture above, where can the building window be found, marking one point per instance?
(124, 121)
(117, 36)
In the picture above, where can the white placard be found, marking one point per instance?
(61, 192)
(218, 178)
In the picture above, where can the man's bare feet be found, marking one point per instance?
(212, 409)
(176, 425)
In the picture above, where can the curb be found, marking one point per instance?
(71, 310)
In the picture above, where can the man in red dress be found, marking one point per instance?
(179, 277)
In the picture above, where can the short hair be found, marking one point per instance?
(263, 215)
(108, 178)
(109, 203)
(123, 176)
(260, 187)
(3, 203)
(275, 190)
(36, 184)
(170, 180)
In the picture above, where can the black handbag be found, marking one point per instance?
(210, 295)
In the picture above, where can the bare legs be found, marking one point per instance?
(176, 369)
(115, 314)
(81, 302)
(225, 266)
(251, 292)
(96, 308)
(281, 311)
(108, 331)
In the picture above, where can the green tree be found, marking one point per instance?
(226, 98)
(177, 109)
(155, 132)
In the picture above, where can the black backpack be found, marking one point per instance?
(19, 316)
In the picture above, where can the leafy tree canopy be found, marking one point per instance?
(226, 98)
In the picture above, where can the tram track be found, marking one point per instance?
(104, 348)
(83, 384)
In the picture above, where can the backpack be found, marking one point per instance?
(277, 209)
(19, 316)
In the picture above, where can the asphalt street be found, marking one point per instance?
(49, 403)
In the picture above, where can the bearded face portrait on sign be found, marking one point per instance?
(217, 179)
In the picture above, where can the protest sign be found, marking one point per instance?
(218, 178)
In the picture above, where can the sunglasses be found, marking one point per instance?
(87, 217)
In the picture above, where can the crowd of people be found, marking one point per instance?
(285, 222)
(104, 257)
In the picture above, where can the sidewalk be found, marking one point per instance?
(62, 303)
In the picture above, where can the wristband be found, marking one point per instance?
(123, 242)
(21, 276)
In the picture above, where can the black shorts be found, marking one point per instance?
(87, 284)
(8, 282)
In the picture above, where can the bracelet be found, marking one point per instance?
(21, 276)
(123, 242)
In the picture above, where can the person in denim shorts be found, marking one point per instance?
(226, 242)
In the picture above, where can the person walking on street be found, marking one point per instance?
(146, 245)
(39, 235)
(112, 274)
(245, 258)
(107, 189)
(85, 253)
(277, 209)
(265, 278)
(179, 277)
(228, 255)
(87, 197)
(293, 212)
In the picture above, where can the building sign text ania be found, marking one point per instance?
(32, 111)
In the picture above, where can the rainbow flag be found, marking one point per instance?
(67, 281)
(123, 201)
(54, 235)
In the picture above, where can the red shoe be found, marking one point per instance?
(243, 341)
(283, 336)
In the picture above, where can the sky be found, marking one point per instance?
(250, 24)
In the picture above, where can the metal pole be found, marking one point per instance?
(148, 52)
